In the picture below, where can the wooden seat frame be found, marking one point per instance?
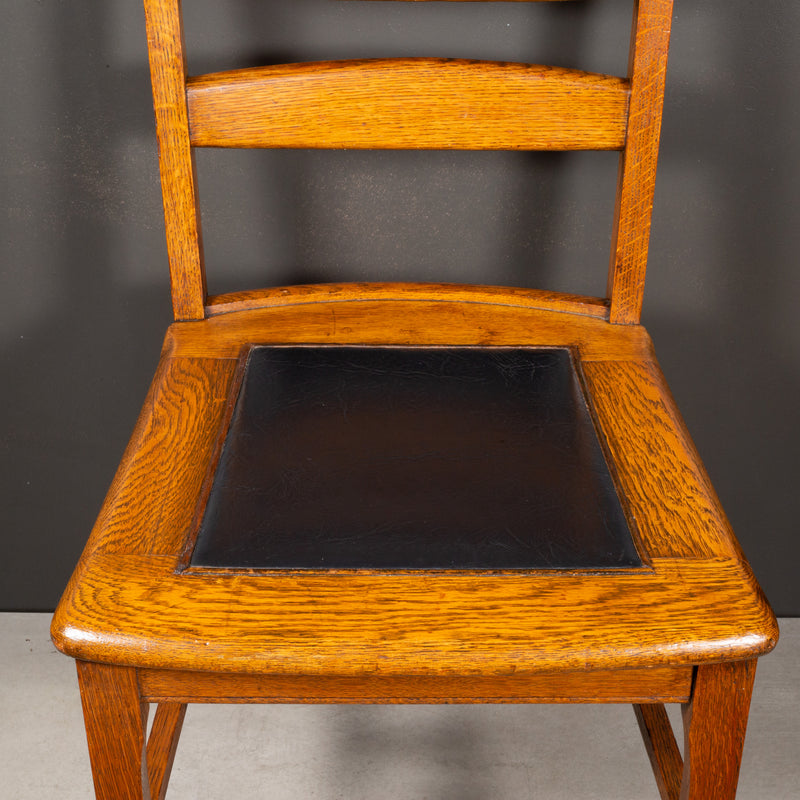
(686, 628)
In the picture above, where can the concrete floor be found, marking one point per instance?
(381, 753)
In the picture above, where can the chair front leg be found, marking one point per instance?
(714, 722)
(116, 727)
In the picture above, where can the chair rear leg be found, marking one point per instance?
(116, 726)
(162, 744)
(659, 739)
(714, 722)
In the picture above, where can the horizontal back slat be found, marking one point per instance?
(417, 103)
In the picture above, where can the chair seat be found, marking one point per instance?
(592, 414)
(412, 458)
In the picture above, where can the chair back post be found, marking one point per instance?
(637, 171)
(176, 158)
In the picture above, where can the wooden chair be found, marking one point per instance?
(390, 493)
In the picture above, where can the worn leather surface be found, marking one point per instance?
(393, 458)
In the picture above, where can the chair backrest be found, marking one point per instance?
(406, 104)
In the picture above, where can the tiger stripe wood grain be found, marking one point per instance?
(176, 160)
(116, 720)
(715, 722)
(675, 508)
(637, 173)
(407, 103)
(186, 410)
(670, 684)
(662, 749)
(140, 612)
(151, 505)
(684, 627)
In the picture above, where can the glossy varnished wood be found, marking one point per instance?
(162, 744)
(178, 175)
(637, 172)
(346, 623)
(592, 106)
(654, 457)
(670, 684)
(182, 415)
(116, 720)
(399, 317)
(409, 103)
(685, 626)
(127, 598)
(715, 722)
(662, 748)
(435, 292)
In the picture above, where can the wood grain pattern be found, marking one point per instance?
(409, 103)
(625, 619)
(714, 724)
(637, 175)
(138, 611)
(401, 320)
(662, 749)
(337, 292)
(176, 160)
(670, 684)
(182, 420)
(656, 466)
(145, 629)
(116, 720)
(162, 745)
(674, 506)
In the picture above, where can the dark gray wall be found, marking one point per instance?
(83, 266)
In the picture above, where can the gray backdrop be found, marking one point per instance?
(83, 265)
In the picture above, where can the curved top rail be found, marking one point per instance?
(410, 103)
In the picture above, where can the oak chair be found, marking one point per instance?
(390, 493)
